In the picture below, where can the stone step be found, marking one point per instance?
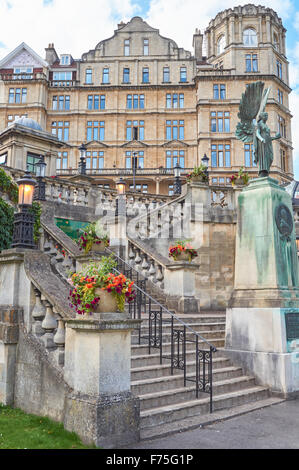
(199, 328)
(142, 349)
(157, 370)
(189, 319)
(141, 387)
(185, 394)
(200, 421)
(166, 336)
(168, 414)
(144, 360)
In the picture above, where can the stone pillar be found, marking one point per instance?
(101, 409)
(9, 337)
(179, 286)
(262, 331)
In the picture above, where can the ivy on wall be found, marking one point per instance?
(6, 224)
(8, 186)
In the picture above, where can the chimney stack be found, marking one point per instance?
(197, 44)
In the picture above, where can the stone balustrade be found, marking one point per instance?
(146, 264)
(48, 327)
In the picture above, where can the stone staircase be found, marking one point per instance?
(167, 406)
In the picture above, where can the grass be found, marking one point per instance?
(19, 430)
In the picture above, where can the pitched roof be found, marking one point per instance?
(18, 50)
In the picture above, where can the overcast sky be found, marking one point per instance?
(76, 26)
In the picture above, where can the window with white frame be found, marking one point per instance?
(105, 77)
(95, 130)
(62, 161)
(61, 129)
(221, 43)
(127, 47)
(175, 100)
(175, 130)
(139, 159)
(145, 47)
(249, 37)
(173, 157)
(95, 160)
(221, 155)
(17, 95)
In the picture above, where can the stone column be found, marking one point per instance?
(9, 337)
(262, 331)
(101, 409)
(179, 287)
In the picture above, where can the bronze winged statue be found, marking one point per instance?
(253, 127)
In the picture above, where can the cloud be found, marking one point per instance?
(72, 25)
(178, 19)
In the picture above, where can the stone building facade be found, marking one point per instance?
(139, 95)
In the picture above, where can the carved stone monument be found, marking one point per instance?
(262, 331)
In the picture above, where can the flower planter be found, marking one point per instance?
(107, 302)
(239, 182)
(183, 256)
(198, 179)
(98, 247)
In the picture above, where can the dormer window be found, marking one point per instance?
(250, 37)
(65, 60)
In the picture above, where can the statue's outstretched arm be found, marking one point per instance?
(277, 137)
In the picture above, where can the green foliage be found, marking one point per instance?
(201, 171)
(6, 224)
(36, 210)
(22, 431)
(8, 186)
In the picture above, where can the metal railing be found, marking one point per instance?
(145, 306)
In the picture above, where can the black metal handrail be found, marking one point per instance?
(144, 304)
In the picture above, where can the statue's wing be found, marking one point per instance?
(250, 106)
(263, 102)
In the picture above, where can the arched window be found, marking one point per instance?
(221, 43)
(249, 37)
(276, 42)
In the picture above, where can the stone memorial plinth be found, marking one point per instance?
(101, 409)
(262, 331)
(179, 286)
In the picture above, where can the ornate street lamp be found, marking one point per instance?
(121, 200)
(205, 161)
(177, 182)
(40, 190)
(24, 220)
(82, 164)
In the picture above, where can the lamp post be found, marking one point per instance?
(40, 190)
(121, 200)
(24, 220)
(205, 161)
(177, 182)
(82, 164)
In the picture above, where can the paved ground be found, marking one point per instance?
(275, 427)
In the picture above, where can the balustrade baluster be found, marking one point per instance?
(59, 340)
(38, 314)
(49, 324)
